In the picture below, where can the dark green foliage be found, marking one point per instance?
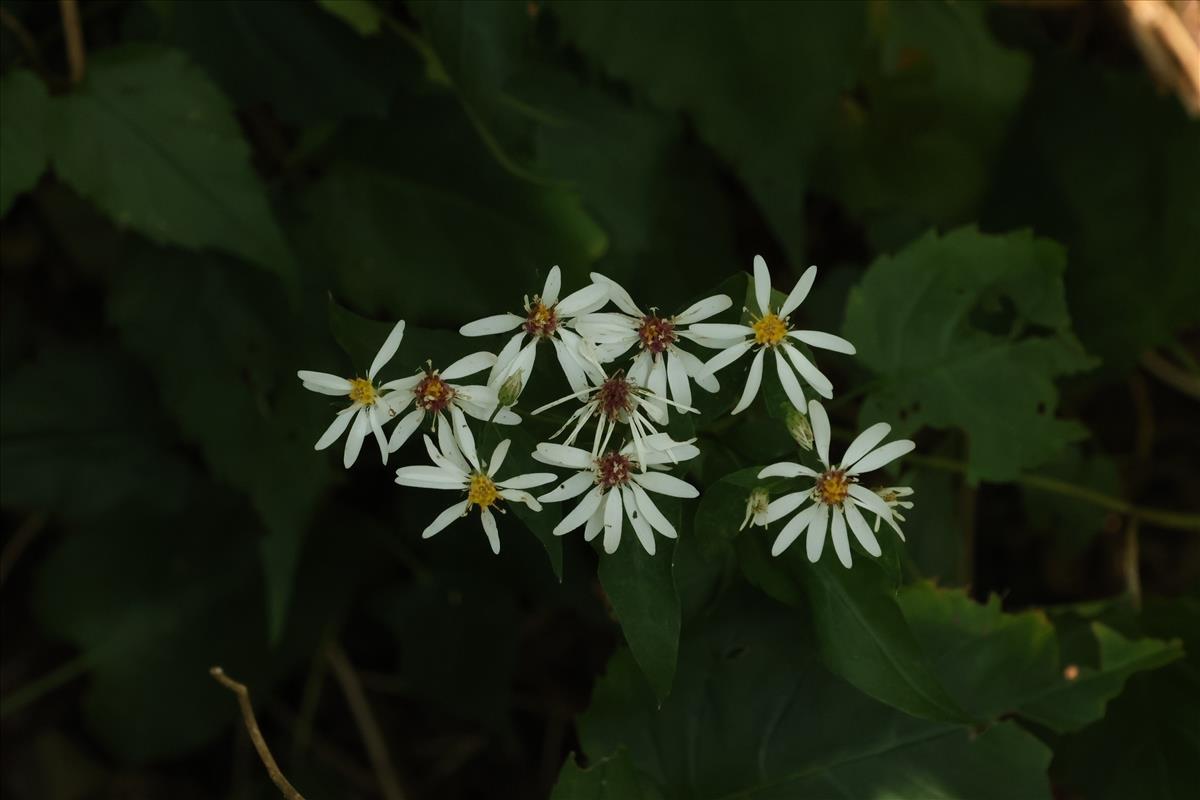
(1004, 215)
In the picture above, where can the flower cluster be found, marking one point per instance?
(628, 369)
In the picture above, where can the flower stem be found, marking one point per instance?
(1175, 520)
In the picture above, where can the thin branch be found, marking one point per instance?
(1175, 520)
(1168, 373)
(73, 33)
(260, 744)
(368, 727)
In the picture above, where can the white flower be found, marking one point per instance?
(891, 495)
(836, 492)
(662, 362)
(368, 409)
(545, 318)
(430, 392)
(758, 504)
(615, 487)
(773, 331)
(460, 469)
(616, 400)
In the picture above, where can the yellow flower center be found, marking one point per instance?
(482, 492)
(770, 330)
(833, 487)
(362, 391)
(541, 320)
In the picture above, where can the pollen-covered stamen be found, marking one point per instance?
(363, 391)
(615, 397)
(770, 330)
(482, 491)
(541, 320)
(432, 393)
(833, 487)
(613, 469)
(656, 333)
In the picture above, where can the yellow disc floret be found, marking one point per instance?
(482, 491)
(362, 391)
(833, 487)
(770, 330)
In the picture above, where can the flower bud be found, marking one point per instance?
(756, 508)
(510, 390)
(800, 428)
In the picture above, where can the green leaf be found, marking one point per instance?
(155, 145)
(970, 331)
(753, 714)
(611, 778)
(994, 663)
(798, 59)
(914, 147)
(82, 460)
(1108, 165)
(24, 109)
(152, 603)
(641, 588)
(362, 15)
(1146, 744)
(296, 58)
(225, 347)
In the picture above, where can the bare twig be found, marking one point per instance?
(260, 744)
(1168, 34)
(1168, 373)
(73, 33)
(368, 727)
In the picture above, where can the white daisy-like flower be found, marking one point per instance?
(430, 392)
(545, 319)
(757, 506)
(891, 495)
(662, 363)
(457, 467)
(614, 401)
(836, 493)
(617, 486)
(773, 331)
(369, 408)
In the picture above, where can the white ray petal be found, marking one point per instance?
(837, 532)
(681, 390)
(428, 477)
(494, 463)
(448, 443)
(721, 330)
(786, 469)
(782, 506)
(323, 382)
(335, 429)
(573, 486)
(519, 496)
(727, 357)
(390, 345)
(799, 292)
(663, 483)
(497, 323)
(809, 372)
(821, 432)
(872, 502)
(613, 512)
(641, 527)
(595, 524)
(373, 417)
(752, 382)
(463, 436)
(696, 369)
(864, 442)
(794, 527)
(582, 301)
(651, 512)
(862, 531)
(489, 529)
(881, 456)
(528, 480)
(762, 285)
(401, 386)
(561, 455)
(617, 293)
(445, 518)
(825, 341)
(815, 538)
(469, 365)
(703, 309)
(549, 295)
(570, 367)
(581, 512)
(505, 358)
(358, 431)
(791, 386)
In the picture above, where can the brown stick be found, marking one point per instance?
(73, 33)
(368, 728)
(260, 744)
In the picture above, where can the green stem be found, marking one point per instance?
(1175, 520)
